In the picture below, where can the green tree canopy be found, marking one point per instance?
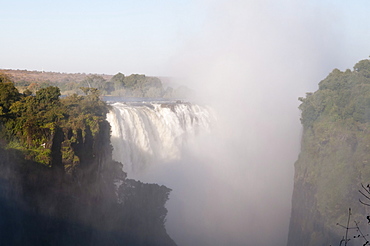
(4, 78)
(8, 94)
(363, 67)
(48, 95)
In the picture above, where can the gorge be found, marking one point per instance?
(77, 170)
(215, 177)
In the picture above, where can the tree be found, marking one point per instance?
(363, 67)
(109, 87)
(92, 93)
(48, 95)
(8, 93)
(118, 80)
(94, 81)
(4, 78)
(134, 80)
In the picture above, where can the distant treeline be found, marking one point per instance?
(134, 85)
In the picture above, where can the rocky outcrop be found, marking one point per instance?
(81, 198)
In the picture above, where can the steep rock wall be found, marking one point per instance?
(334, 160)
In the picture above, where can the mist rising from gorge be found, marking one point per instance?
(250, 63)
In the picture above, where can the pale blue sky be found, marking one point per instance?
(147, 36)
(95, 36)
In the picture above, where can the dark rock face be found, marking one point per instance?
(91, 204)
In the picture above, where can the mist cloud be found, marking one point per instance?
(251, 62)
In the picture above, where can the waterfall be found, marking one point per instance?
(149, 133)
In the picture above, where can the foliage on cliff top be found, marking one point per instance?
(30, 122)
(341, 96)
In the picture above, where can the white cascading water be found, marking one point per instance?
(149, 133)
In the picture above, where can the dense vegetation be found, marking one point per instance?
(334, 158)
(58, 182)
(134, 85)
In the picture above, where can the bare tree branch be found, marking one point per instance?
(364, 203)
(364, 194)
(366, 188)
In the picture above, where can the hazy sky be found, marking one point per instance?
(96, 36)
(145, 36)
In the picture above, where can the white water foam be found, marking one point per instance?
(151, 133)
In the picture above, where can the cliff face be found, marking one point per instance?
(60, 186)
(334, 160)
(96, 206)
